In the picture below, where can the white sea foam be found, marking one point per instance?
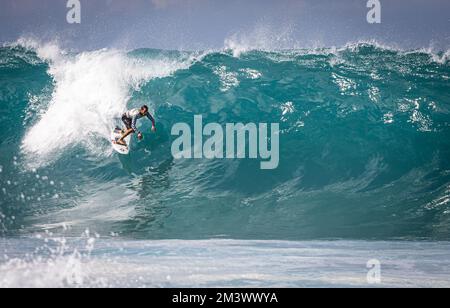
(251, 73)
(228, 79)
(178, 263)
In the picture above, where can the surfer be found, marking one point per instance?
(130, 118)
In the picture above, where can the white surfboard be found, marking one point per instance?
(115, 135)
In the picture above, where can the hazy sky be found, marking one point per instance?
(201, 24)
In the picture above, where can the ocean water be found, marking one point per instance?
(91, 262)
(364, 150)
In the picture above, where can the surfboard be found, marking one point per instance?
(115, 135)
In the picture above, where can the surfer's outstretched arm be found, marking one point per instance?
(150, 117)
(133, 123)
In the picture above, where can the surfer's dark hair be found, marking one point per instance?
(145, 107)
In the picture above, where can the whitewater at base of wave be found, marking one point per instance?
(92, 262)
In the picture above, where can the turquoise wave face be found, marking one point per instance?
(364, 144)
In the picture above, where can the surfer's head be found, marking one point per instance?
(144, 110)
